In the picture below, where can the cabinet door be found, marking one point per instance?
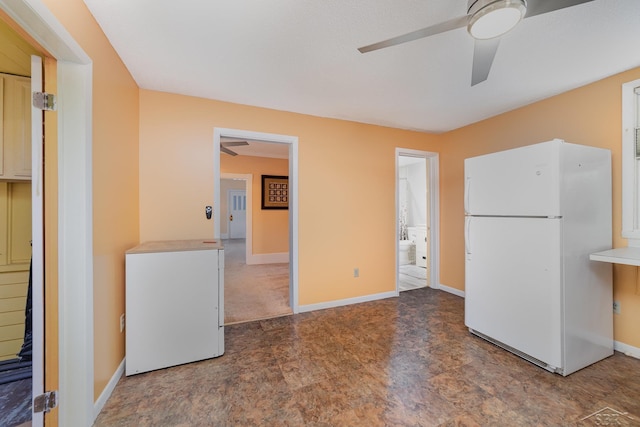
(17, 128)
(421, 248)
(2, 126)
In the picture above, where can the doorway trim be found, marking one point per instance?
(292, 142)
(37, 238)
(75, 223)
(433, 175)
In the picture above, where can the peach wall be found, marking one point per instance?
(346, 186)
(270, 227)
(590, 115)
(115, 181)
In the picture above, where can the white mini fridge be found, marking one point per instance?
(533, 216)
(174, 304)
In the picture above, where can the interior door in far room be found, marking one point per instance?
(237, 214)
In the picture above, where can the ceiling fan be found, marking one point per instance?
(486, 21)
(224, 146)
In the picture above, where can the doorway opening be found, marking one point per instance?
(272, 273)
(417, 221)
(21, 246)
(71, 263)
(256, 285)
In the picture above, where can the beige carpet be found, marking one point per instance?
(253, 292)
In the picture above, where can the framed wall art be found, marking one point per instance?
(275, 192)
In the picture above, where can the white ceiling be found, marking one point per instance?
(257, 148)
(302, 56)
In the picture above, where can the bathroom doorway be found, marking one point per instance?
(416, 219)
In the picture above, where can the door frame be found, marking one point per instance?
(292, 142)
(433, 186)
(37, 239)
(75, 225)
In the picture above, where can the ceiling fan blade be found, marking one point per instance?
(234, 143)
(538, 7)
(227, 151)
(442, 27)
(483, 53)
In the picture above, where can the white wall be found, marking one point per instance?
(417, 193)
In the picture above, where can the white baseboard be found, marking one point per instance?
(224, 236)
(106, 393)
(451, 290)
(348, 301)
(627, 349)
(276, 258)
(366, 298)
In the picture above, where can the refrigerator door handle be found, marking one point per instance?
(467, 239)
(467, 189)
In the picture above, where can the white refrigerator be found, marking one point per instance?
(532, 217)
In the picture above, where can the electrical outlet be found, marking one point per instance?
(356, 272)
(122, 322)
(616, 307)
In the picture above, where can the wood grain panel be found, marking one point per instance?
(13, 290)
(20, 223)
(11, 332)
(4, 219)
(13, 304)
(10, 349)
(12, 318)
(15, 52)
(2, 145)
(14, 277)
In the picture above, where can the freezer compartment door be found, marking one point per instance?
(520, 182)
(513, 283)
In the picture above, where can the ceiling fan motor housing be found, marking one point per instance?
(475, 5)
(492, 18)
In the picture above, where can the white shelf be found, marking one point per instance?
(628, 256)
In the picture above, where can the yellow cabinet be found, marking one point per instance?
(15, 254)
(15, 139)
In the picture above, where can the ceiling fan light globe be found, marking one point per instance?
(496, 19)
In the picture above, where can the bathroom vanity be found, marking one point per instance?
(418, 235)
(421, 246)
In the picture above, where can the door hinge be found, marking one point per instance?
(44, 101)
(45, 402)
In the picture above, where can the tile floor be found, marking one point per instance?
(411, 277)
(406, 361)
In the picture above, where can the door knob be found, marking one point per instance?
(230, 217)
